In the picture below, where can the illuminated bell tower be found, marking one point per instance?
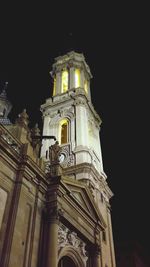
(70, 116)
(82, 193)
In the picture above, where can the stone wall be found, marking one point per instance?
(22, 191)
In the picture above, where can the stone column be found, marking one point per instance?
(110, 235)
(58, 82)
(72, 78)
(81, 122)
(52, 244)
(46, 131)
(82, 78)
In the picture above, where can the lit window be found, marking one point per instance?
(86, 86)
(64, 131)
(77, 78)
(54, 87)
(64, 84)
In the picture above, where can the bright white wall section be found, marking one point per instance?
(74, 103)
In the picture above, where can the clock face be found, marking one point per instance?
(61, 157)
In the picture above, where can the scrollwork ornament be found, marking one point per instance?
(68, 238)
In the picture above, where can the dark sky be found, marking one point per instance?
(114, 42)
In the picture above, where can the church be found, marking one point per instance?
(54, 197)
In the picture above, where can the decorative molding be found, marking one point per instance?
(80, 101)
(67, 112)
(69, 156)
(68, 238)
(53, 214)
(10, 140)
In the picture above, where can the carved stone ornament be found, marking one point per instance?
(68, 156)
(54, 153)
(67, 112)
(53, 214)
(68, 238)
(80, 101)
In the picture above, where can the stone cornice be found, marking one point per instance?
(90, 169)
(62, 98)
(66, 182)
(59, 191)
(71, 59)
(19, 160)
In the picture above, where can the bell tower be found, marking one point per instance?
(83, 194)
(69, 114)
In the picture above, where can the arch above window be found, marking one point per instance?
(66, 261)
(74, 255)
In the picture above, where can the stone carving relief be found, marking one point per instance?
(93, 190)
(69, 157)
(68, 238)
(80, 101)
(66, 112)
(54, 153)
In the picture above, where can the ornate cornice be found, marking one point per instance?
(90, 169)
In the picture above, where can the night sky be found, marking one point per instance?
(115, 47)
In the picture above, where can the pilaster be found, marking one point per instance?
(58, 82)
(72, 77)
(96, 260)
(52, 245)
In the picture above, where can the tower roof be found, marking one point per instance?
(70, 59)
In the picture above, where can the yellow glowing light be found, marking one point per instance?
(86, 86)
(63, 131)
(64, 121)
(77, 78)
(54, 87)
(64, 84)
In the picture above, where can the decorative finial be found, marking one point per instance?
(5, 106)
(5, 86)
(3, 94)
(35, 131)
(36, 137)
(23, 118)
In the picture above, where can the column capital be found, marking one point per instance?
(53, 214)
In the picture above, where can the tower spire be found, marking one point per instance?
(5, 106)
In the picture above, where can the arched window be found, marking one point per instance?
(64, 131)
(64, 82)
(77, 78)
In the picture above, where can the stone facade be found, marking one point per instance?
(22, 197)
(54, 210)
